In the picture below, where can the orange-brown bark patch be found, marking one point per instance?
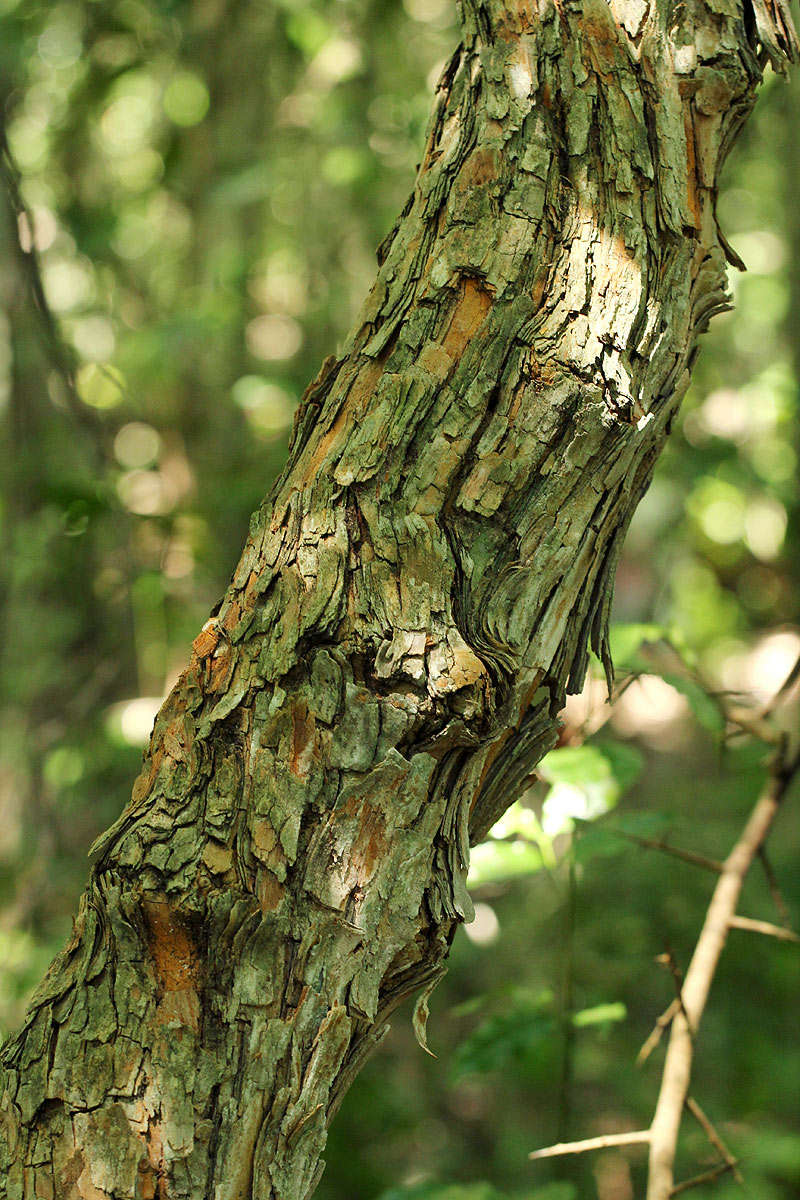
(435, 360)
(491, 754)
(370, 845)
(364, 384)
(174, 739)
(146, 1183)
(601, 37)
(269, 890)
(220, 666)
(517, 18)
(251, 590)
(303, 741)
(206, 641)
(693, 196)
(71, 1172)
(468, 315)
(232, 617)
(151, 1169)
(264, 840)
(144, 780)
(358, 397)
(86, 1189)
(323, 447)
(479, 167)
(175, 958)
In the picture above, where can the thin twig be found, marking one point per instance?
(667, 959)
(713, 1136)
(766, 927)
(686, 1010)
(596, 1143)
(746, 721)
(785, 687)
(774, 888)
(756, 721)
(697, 1180)
(697, 860)
(658, 1032)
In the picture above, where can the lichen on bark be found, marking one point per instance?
(415, 598)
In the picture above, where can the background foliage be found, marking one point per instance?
(205, 184)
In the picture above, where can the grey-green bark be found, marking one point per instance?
(414, 600)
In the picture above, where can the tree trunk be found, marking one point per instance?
(414, 600)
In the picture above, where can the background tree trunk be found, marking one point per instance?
(413, 602)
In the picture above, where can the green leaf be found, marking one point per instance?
(627, 645)
(579, 766)
(704, 706)
(600, 1014)
(643, 824)
(625, 641)
(625, 760)
(594, 762)
(518, 1034)
(596, 841)
(493, 861)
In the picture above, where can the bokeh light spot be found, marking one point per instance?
(136, 445)
(186, 100)
(273, 337)
(100, 386)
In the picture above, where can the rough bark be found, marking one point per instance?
(414, 600)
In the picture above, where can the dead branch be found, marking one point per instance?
(766, 927)
(722, 908)
(655, 1037)
(697, 1180)
(696, 860)
(774, 889)
(595, 1143)
(668, 960)
(713, 1136)
(686, 1010)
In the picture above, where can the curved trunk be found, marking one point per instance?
(414, 600)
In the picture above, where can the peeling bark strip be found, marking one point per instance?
(421, 589)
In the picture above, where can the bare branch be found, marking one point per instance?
(694, 993)
(697, 860)
(787, 685)
(713, 1136)
(668, 960)
(697, 1180)
(765, 927)
(658, 1032)
(774, 888)
(596, 1143)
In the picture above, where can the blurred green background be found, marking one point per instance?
(205, 184)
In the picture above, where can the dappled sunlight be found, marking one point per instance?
(652, 709)
(485, 927)
(132, 720)
(760, 669)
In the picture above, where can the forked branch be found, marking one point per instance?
(685, 1012)
(700, 974)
